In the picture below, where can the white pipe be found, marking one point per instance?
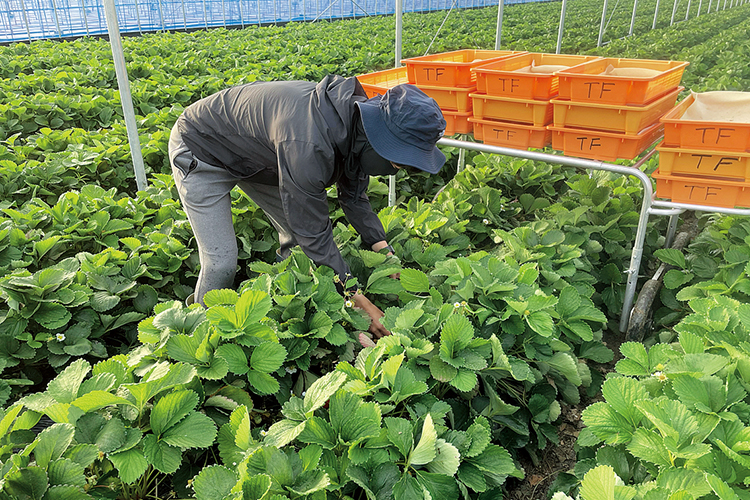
(674, 11)
(656, 13)
(687, 13)
(700, 4)
(499, 30)
(399, 25)
(632, 19)
(124, 86)
(601, 26)
(561, 28)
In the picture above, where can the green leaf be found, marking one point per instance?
(566, 365)
(220, 297)
(66, 471)
(29, 483)
(66, 492)
(318, 431)
(95, 400)
(447, 459)
(235, 357)
(283, 432)
(263, 383)
(415, 281)
(599, 484)
(496, 463)
(256, 486)
(456, 335)
(130, 464)
(541, 322)
(400, 434)
(322, 390)
(103, 301)
(649, 446)
(309, 482)
(251, 307)
(480, 435)
(64, 387)
(721, 488)
(407, 488)
(194, 431)
(172, 408)
(671, 256)
(606, 424)
(52, 315)
(708, 394)
(379, 484)
(372, 259)
(214, 482)
(622, 393)
(441, 370)
(108, 435)
(425, 450)
(216, 369)
(52, 443)
(352, 419)
(674, 279)
(162, 456)
(268, 357)
(465, 380)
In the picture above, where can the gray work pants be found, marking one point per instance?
(206, 199)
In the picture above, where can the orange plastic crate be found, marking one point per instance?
(697, 190)
(451, 69)
(527, 111)
(623, 119)
(502, 78)
(510, 135)
(704, 163)
(587, 83)
(379, 82)
(457, 123)
(450, 98)
(716, 136)
(605, 146)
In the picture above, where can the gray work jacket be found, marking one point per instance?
(294, 136)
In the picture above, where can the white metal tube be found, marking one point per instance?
(700, 4)
(687, 13)
(499, 30)
(674, 11)
(57, 19)
(632, 19)
(561, 27)
(656, 13)
(601, 26)
(124, 86)
(399, 26)
(725, 5)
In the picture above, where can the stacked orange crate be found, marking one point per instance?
(704, 158)
(610, 108)
(379, 82)
(512, 105)
(447, 78)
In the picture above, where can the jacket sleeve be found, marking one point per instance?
(359, 211)
(303, 170)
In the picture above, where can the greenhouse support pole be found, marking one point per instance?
(124, 86)
(632, 19)
(85, 16)
(499, 30)
(399, 28)
(687, 13)
(725, 5)
(700, 4)
(57, 19)
(561, 28)
(138, 16)
(674, 11)
(25, 20)
(656, 14)
(601, 26)
(708, 10)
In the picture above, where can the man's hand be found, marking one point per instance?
(363, 303)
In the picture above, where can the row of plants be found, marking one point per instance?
(511, 273)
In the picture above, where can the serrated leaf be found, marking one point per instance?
(52, 315)
(283, 432)
(400, 434)
(162, 456)
(65, 471)
(318, 431)
(263, 383)
(480, 435)
(541, 322)
(214, 482)
(407, 488)
(52, 443)
(130, 464)
(103, 301)
(26, 483)
(721, 488)
(309, 482)
(235, 357)
(268, 357)
(95, 400)
(606, 424)
(622, 393)
(220, 297)
(599, 484)
(465, 380)
(171, 409)
(456, 335)
(414, 280)
(194, 431)
(216, 369)
(649, 446)
(566, 365)
(66, 492)
(671, 256)
(256, 486)
(352, 419)
(107, 435)
(441, 370)
(322, 390)
(447, 459)
(707, 394)
(64, 387)
(425, 450)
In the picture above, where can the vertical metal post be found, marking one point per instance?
(561, 28)
(700, 4)
(275, 15)
(601, 26)
(161, 15)
(10, 24)
(205, 15)
(499, 30)
(290, 10)
(184, 14)
(656, 13)
(85, 16)
(57, 20)
(138, 17)
(124, 86)
(259, 13)
(25, 20)
(725, 5)
(674, 11)
(687, 13)
(223, 14)
(242, 15)
(632, 19)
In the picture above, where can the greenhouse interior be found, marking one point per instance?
(374, 250)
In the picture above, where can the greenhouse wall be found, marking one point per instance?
(22, 20)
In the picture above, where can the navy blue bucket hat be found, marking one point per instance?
(403, 126)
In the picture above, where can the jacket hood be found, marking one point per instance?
(335, 96)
